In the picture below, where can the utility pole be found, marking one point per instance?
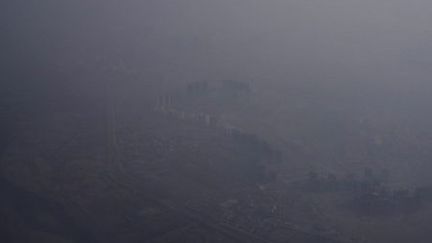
(111, 109)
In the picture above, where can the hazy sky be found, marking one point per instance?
(275, 40)
(358, 58)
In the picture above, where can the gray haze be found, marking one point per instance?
(337, 85)
(371, 57)
(347, 46)
(382, 41)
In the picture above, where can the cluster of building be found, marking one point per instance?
(165, 104)
(262, 214)
(370, 194)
